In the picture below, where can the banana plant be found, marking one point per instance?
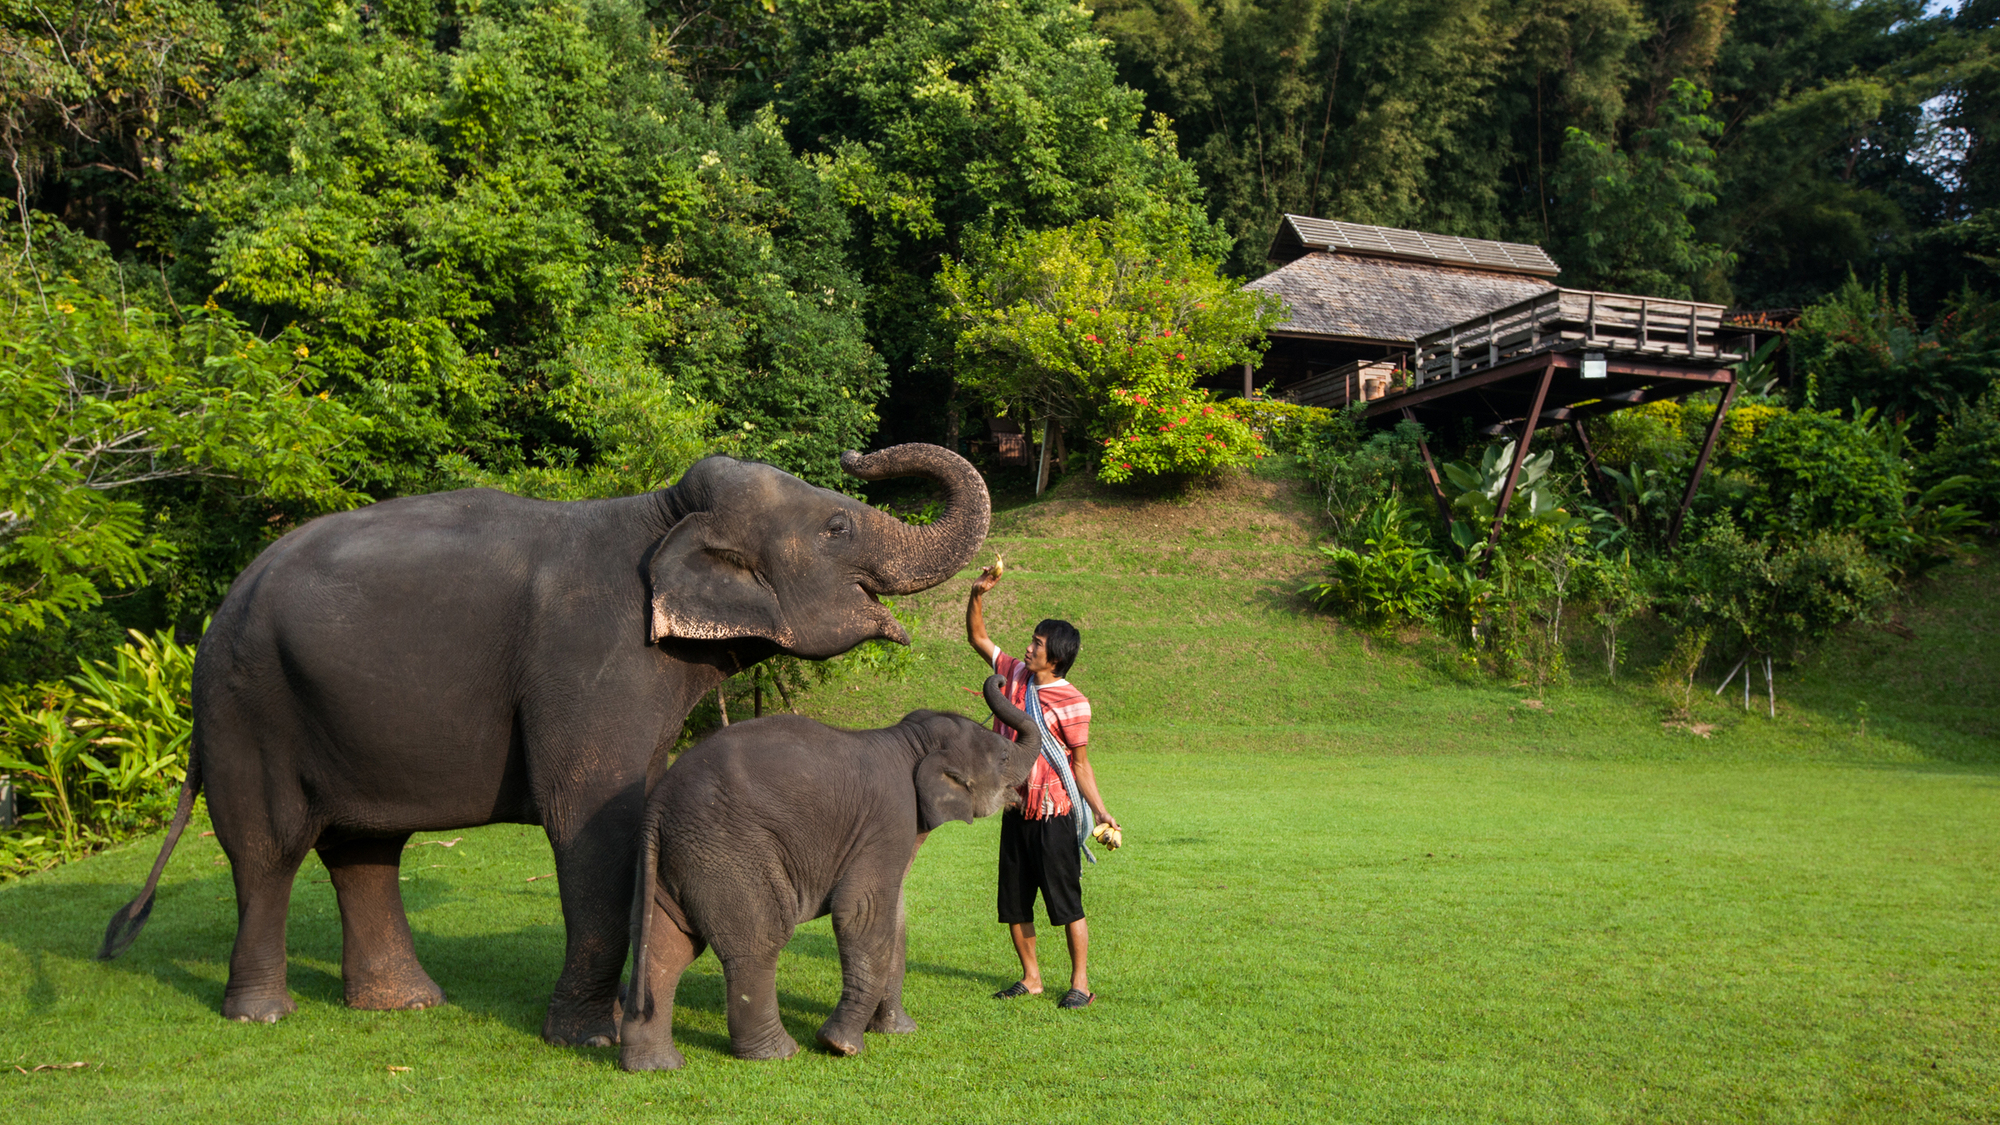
(1478, 488)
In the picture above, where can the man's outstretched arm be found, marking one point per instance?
(975, 617)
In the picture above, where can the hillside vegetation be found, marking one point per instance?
(1360, 884)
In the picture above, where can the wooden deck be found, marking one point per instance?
(1570, 320)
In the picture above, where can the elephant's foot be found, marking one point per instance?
(839, 1041)
(650, 1056)
(564, 1028)
(781, 1046)
(402, 992)
(258, 1007)
(891, 1019)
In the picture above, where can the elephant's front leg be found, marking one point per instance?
(646, 1034)
(595, 862)
(751, 976)
(868, 928)
(378, 961)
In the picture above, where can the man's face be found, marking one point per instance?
(1037, 656)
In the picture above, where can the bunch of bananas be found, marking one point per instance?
(1108, 836)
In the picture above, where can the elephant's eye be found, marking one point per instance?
(839, 526)
(952, 776)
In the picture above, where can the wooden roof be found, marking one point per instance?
(1299, 235)
(1386, 299)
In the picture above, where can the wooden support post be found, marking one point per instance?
(1701, 462)
(1520, 455)
(1042, 474)
(1589, 458)
(1248, 386)
(1431, 473)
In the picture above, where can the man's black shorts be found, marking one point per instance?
(1040, 855)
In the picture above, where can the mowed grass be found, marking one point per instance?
(1360, 885)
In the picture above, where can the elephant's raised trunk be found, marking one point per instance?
(917, 558)
(1030, 741)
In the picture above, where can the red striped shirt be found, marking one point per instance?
(1067, 714)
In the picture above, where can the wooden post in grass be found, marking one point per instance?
(1770, 687)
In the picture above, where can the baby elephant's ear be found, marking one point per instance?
(944, 791)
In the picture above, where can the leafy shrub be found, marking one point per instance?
(1861, 344)
(1817, 471)
(1284, 426)
(1391, 578)
(1172, 432)
(1779, 597)
(101, 757)
(1968, 447)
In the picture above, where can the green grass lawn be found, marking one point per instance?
(1360, 885)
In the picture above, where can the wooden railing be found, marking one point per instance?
(1362, 379)
(1575, 319)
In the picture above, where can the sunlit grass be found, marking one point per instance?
(1360, 885)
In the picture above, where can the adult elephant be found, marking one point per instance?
(465, 658)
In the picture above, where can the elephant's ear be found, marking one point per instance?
(706, 590)
(944, 792)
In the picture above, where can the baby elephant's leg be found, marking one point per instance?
(868, 929)
(646, 1038)
(751, 976)
(889, 1014)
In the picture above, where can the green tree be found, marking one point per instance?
(941, 119)
(529, 252)
(1095, 329)
(1626, 222)
(101, 399)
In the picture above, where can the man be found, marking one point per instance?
(1039, 843)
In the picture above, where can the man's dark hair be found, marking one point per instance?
(1060, 640)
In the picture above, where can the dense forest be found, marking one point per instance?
(267, 258)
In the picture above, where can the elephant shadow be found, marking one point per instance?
(502, 974)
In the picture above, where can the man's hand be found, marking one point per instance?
(987, 579)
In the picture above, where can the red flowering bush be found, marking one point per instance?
(1172, 431)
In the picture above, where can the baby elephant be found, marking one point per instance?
(772, 822)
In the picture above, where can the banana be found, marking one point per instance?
(999, 565)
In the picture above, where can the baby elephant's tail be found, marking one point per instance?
(131, 918)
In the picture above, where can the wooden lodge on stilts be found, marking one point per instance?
(1468, 336)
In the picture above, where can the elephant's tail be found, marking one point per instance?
(640, 1004)
(131, 918)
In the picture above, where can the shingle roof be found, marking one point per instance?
(1388, 299)
(1302, 234)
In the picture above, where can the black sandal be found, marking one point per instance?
(1018, 988)
(1076, 998)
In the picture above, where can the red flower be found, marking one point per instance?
(1180, 355)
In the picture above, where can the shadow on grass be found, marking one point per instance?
(503, 975)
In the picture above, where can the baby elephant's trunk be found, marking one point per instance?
(1030, 742)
